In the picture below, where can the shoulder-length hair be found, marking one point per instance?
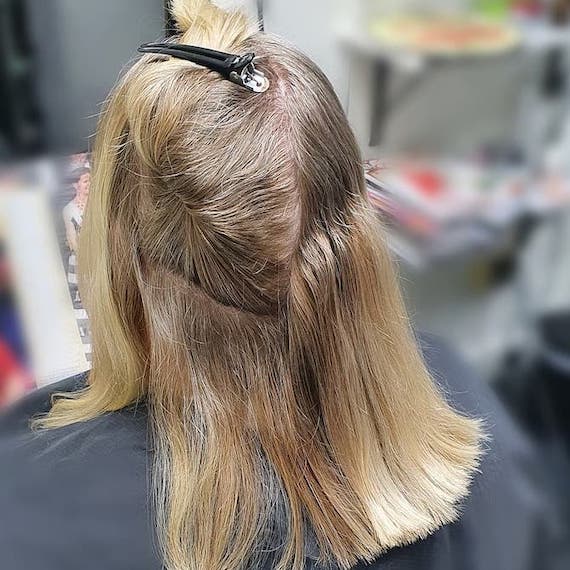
(238, 282)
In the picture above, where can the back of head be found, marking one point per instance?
(237, 280)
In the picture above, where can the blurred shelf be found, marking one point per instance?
(466, 246)
(535, 37)
(458, 212)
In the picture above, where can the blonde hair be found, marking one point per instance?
(237, 281)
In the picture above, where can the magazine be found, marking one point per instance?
(41, 213)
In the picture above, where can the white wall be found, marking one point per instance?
(308, 24)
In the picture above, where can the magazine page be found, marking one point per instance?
(69, 200)
(41, 213)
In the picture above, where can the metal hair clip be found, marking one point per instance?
(239, 69)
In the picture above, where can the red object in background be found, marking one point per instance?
(428, 181)
(532, 8)
(14, 380)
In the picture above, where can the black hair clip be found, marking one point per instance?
(239, 69)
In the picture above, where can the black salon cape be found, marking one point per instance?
(77, 498)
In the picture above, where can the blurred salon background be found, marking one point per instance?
(462, 111)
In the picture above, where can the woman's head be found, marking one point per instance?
(226, 183)
(81, 186)
(237, 281)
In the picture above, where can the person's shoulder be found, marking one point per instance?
(17, 418)
(68, 208)
(471, 395)
(458, 382)
(504, 489)
(74, 488)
